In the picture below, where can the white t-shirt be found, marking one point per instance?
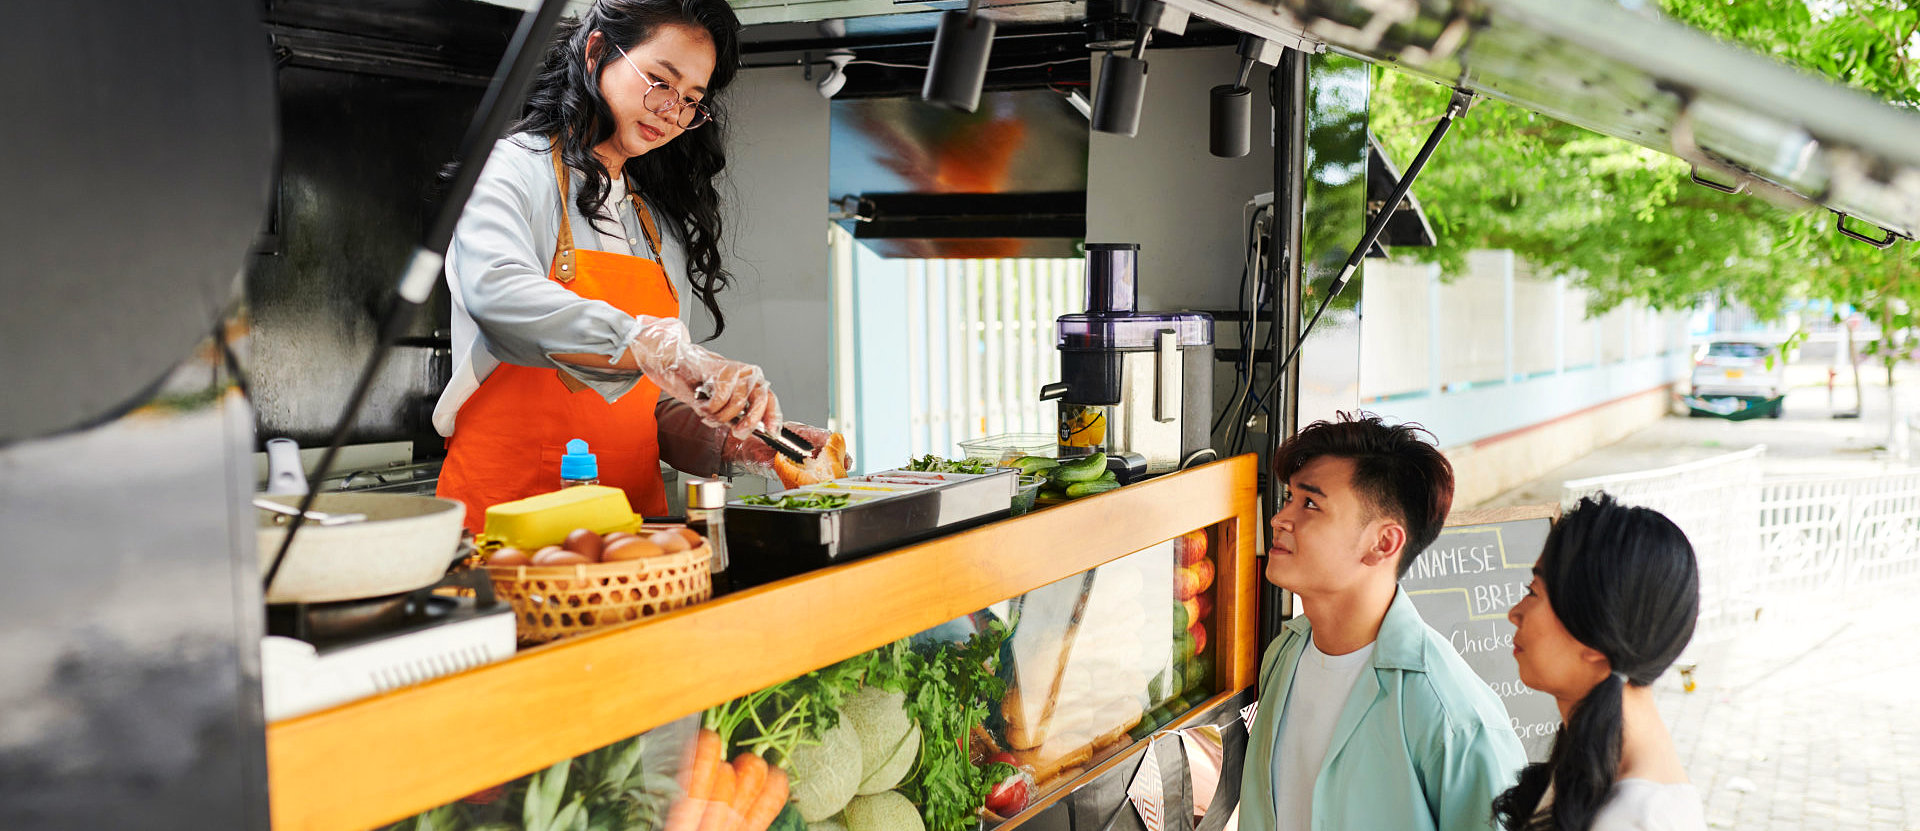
(1319, 691)
(1645, 805)
(612, 237)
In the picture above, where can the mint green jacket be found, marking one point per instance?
(1421, 744)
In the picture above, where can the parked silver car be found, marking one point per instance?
(1742, 367)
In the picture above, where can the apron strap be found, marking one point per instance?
(646, 226)
(563, 247)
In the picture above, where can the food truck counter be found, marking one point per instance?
(471, 735)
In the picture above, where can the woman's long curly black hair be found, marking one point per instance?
(678, 177)
(1624, 582)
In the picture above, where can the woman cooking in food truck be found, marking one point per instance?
(590, 229)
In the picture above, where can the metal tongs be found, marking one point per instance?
(788, 443)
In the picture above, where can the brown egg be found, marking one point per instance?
(610, 539)
(554, 555)
(692, 538)
(509, 557)
(583, 541)
(631, 548)
(669, 541)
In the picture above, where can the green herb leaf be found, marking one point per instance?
(799, 501)
(934, 464)
(951, 689)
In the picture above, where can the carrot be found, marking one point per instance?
(767, 806)
(749, 775)
(719, 814)
(696, 780)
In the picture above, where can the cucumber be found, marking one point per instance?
(1079, 489)
(1084, 469)
(1033, 465)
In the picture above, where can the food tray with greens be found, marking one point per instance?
(795, 531)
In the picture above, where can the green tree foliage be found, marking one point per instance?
(1625, 222)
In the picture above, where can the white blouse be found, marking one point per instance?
(1645, 805)
(505, 310)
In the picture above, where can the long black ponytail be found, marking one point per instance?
(677, 177)
(1624, 582)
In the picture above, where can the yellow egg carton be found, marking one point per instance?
(538, 521)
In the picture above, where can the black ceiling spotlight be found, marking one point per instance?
(1123, 78)
(1230, 108)
(959, 66)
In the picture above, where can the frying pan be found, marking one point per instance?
(405, 543)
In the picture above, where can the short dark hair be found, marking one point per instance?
(1395, 471)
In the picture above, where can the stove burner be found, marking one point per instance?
(322, 624)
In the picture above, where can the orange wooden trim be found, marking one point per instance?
(386, 758)
(1237, 598)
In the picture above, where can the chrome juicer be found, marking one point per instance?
(1137, 386)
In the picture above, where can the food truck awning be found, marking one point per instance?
(1742, 120)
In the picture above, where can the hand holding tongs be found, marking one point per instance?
(788, 443)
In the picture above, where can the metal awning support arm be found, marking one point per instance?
(1457, 107)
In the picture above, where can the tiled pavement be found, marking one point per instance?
(1810, 724)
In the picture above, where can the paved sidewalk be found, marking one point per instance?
(1808, 440)
(1807, 722)
(1808, 725)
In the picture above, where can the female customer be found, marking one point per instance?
(1613, 601)
(591, 231)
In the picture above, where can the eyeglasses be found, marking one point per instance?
(666, 101)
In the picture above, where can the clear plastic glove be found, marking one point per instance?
(726, 393)
(757, 457)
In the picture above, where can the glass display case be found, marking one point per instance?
(964, 726)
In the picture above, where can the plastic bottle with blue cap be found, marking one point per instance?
(578, 467)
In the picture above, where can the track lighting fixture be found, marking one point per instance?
(958, 68)
(1230, 106)
(1123, 78)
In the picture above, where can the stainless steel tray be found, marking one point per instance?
(887, 510)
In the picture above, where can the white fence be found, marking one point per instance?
(942, 351)
(1716, 502)
(1780, 545)
(980, 340)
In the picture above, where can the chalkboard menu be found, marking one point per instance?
(1465, 583)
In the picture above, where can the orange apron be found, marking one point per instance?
(509, 437)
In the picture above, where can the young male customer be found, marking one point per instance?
(1368, 718)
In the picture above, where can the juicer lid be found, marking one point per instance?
(1136, 330)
